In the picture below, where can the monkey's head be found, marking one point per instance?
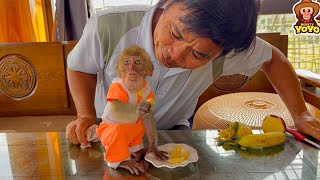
(134, 61)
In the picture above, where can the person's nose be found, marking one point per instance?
(177, 52)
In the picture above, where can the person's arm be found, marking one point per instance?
(285, 81)
(82, 87)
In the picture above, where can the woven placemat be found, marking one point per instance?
(249, 108)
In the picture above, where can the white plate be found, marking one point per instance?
(193, 156)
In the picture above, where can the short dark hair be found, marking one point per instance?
(231, 24)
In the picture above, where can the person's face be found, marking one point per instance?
(306, 12)
(176, 48)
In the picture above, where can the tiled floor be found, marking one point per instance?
(34, 123)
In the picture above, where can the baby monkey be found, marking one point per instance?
(128, 115)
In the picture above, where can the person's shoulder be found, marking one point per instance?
(257, 46)
(123, 9)
(262, 42)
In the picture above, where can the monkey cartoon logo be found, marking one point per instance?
(306, 12)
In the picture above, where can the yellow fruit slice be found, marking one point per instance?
(151, 101)
(273, 123)
(225, 135)
(244, 130)
(176, 160)
(263, 140)
(185, 154)
(178, 155)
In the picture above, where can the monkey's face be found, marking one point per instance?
(133, 67)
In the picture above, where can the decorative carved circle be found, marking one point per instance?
(230, 83)
(18, 77)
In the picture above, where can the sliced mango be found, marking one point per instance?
(263, 140)
(224, 135)
(150, 100)
(178, 155)
(176, 160)
(244, 130)
(229, 133)
(273, 123)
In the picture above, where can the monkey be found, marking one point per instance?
(127, 115)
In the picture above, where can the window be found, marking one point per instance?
(303, 50)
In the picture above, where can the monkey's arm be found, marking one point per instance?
(123, 112)
(151, 131)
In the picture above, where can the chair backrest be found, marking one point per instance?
(33, 79)
(240, 83)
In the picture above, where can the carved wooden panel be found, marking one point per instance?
(18, 77)
(32, 79)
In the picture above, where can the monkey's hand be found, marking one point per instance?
(133, 166)
(143, 108)
(160, 155)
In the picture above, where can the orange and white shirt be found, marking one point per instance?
(118, 91)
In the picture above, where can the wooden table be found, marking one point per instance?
(50, 156)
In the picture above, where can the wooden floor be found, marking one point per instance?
(35, 123)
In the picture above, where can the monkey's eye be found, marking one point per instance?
(126, 62)
(138, 61)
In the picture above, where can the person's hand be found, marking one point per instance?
(76, 130)
(160, 155)
(309, 125)
(143, 108)
(133, 166)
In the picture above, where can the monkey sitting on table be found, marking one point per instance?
(127, 113)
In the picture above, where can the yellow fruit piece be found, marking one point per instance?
(244, 130)
(176, 160)
(151, 101)
(139, 93)
(185, 154)
(263, 140)
(225, 135)
(178, 155)
(178, 149)
(173, 154)
(273, 124)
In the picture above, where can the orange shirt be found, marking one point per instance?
(118, 91)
